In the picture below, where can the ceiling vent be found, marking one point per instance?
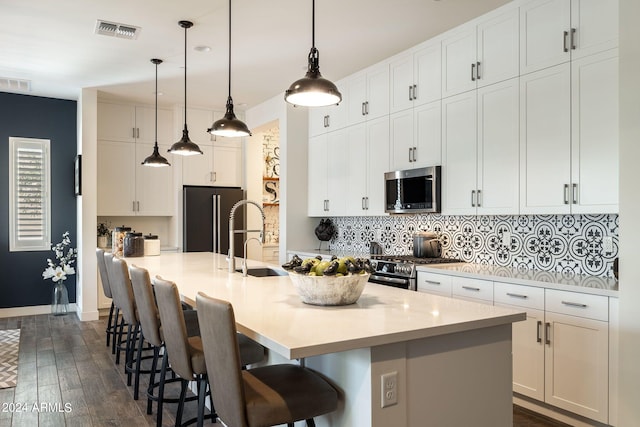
(115, 29)
(15, 85)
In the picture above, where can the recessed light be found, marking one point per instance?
(202, 48)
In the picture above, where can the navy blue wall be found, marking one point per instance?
(21, 282)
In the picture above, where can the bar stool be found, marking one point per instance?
(264, 396)
(151, 330)
(112, 321)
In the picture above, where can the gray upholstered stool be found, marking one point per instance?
(112, 321)
(264, 396)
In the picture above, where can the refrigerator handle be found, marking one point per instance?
(217, 225)
(214, 219)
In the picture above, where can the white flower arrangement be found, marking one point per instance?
(66, 256)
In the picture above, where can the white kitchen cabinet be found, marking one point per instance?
(594, 133)
(614, 354)
(331, 117)
(415, 77)
(481, 53)
(472, 289)
(367, 94)
(415, 135)
(576, 365)
(545, 141)
(480, 140)
(219, 165)
(131, 123)
(127, 188)
(327, 168)
(366, 164)
(433, 283)
(556, 31)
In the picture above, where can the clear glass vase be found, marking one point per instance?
(60, 299)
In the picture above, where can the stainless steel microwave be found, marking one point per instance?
(413, 190)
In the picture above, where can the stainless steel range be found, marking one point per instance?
(400, 270)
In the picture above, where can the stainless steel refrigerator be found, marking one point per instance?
(206, 219)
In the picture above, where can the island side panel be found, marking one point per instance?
(461, 379)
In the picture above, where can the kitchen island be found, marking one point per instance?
(451, 358)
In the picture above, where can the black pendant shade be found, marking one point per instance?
(229, 125)
(155, 159)
(313, 90)
(185, 147)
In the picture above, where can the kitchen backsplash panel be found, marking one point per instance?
(569, 244)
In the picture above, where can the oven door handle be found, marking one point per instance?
(388, 279)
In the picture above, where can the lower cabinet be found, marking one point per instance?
(561, 353)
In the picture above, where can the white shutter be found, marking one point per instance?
(29, 194)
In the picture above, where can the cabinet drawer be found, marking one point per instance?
(576, 304)
(519, 295)
(473, 288)
(434, 283)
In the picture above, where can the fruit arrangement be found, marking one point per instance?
(335, 267)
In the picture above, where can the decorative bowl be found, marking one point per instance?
(329, 290)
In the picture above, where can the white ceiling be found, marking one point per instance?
(52, 43)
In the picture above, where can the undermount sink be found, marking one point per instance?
(263, 272)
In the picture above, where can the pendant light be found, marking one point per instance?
(155, 159)
(313, 90)
(229, 125)
(185, 147)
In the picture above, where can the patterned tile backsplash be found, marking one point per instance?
(568, 244)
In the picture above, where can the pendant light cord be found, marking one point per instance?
(229, 49)
(185, 76)
(156, 133)
(313, 23)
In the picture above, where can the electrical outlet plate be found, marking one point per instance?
(389, 388)
(607, 244)
(506, 239)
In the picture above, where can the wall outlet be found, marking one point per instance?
(389, 388)
(506, 239)
(607, 244)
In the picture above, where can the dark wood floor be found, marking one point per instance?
(65, 364)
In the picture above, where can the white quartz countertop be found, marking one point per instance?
(545, 279)
(269, 310)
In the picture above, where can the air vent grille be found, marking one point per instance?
(115, 29)
(15, 85)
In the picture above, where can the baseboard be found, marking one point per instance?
(555, 413)
(31, 310)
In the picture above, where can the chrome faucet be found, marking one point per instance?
(244, 260)
(233, 231)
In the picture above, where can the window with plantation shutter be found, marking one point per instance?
(29, 194)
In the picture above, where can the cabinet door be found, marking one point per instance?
(377, 91)
(401, 80)
(433, 283)
(116, 122)
(401, 136)
(198, 170)
(116, 178)
(545, 141)
(146, 125)
(528, 354)
(596, 26)
(544, 34)
(377, 164)
(498, 48)
(459, 153)
(227, 166)
(317, 176)
(459, 61)
(498, 148)
(576, 360)
(427, 73)
(427, 135)
(337, 169)
(594, 133)
(356, 97)
(154, 186)
(318, 120)
(356, 183)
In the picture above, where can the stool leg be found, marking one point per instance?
(183, 393)
(117, 345)
(163, 374)
(311, 423)
(128, 353)
(110, 325)
(202, 393)
(136, 384)
(117, 330)
(152, 379)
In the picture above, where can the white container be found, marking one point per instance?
(151, 245)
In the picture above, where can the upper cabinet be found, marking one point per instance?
(556, 31)
(367, 94)
(481, 54)
(329, 118)
(415, 77)
(415, 137)
(129, 123)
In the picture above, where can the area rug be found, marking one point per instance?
(9, 344)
